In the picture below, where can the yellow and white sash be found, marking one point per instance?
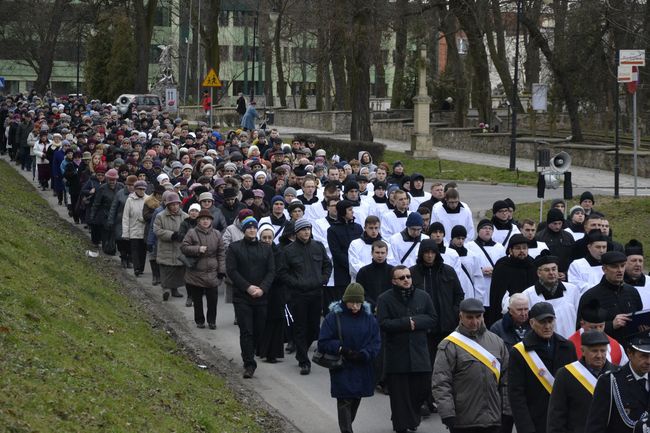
(477, 351)
(537, 367)
(583, 375)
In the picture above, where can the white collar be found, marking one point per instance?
(636, 376)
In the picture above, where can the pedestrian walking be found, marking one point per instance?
(168, 248)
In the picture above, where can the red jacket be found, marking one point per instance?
(615, 353)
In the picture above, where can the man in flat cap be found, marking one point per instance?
(634, 275)
(533, 365)
(621, 397)
(616, 297)
(564, 297)
(575, 383)
(469, 374)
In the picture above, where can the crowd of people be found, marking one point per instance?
(493, 325)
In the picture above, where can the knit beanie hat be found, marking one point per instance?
(248, 222)
(587, 196)
(458, 231)
(554, 215)
(414, 220)
(301, 224)
(634, 248)
(354, 293)
(436, 227)
(498, 205)
(484, 222)
(576, 209)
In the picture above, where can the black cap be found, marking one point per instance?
(634, 248)
(587, 196)
(471, 305)
(639, 341)
(593, 338)
(593, 313)
(458, 231)
(596, 235)
(436, 227)
(545, 258)
(498, 205)
(351, 185)
(541, 311)
(613, 257)
(554, 215)
(517, 239)
(484, 222)
(429, 245)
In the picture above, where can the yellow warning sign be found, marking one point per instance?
(211, 80)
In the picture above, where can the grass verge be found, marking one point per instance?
(461, 171)
(75, 355)
(629, 217)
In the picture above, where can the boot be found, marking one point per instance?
(129, 265)
(155, 273)
(123, 262)
(176, 293)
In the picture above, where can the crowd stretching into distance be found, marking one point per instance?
(492, 325)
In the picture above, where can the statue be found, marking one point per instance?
(165, 79)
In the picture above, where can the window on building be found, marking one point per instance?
(223, 19)
(237, 87)
(239, 19)
(224, 53)
(154, 54)
(163, 17)
(384, 56)
(238, 53)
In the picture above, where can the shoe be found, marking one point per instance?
(155, 282)
(305, 369)
(200, 325)
(123, 263)
(129, 265)
(212, 325)
(176, 293)
(290, 348)
(249, 372)
(137, 273)
(165, 296)
(188, 302)
(271, 360)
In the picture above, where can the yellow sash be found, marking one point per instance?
(477, 351)
(537, 367)
(583, 376)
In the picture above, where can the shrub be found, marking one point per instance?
(346, 149)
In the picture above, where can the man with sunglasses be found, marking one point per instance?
(406, 315)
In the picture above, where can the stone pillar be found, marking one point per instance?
(421, 140)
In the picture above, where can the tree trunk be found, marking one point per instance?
(210, 35)
(469, 17)
(359, 71)
(46, 47)
(303, 73)
(401, 37)
(561, 75)
(267, 49)
(144, 16)
(337, 54)
(282, 86)
(321, 64)
(532, 64)
(456, 66)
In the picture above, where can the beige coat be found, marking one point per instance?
(164, 227)
(211, 263)
(132, 219)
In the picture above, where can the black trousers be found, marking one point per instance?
(347, 411)
(507, 423)
(251, 320)
(211, 299)
(331, 294)
(493, 429)
(306, 320)
(95, 234)
(407, 393)
(138, 254)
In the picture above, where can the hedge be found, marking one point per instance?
(346, 149)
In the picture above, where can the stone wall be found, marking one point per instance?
(337, 122)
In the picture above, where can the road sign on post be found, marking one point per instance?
(628, 72)
(211, 80)
(632, 57)
(625, 74)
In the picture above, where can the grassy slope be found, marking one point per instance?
(628, 217)
(74, 354)
(453, 170)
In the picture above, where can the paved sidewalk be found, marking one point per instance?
(599, 181)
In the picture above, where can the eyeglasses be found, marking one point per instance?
(403, 277)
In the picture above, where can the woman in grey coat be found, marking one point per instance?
(205, 244)
(168, 247)
(114, 220)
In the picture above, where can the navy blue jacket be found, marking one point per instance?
(339, 237)
(360, 332)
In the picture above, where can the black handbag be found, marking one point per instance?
(189, 262)
(331, 362)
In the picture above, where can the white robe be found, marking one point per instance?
(472, 264)
(449, 220)
(534, 252)
(319, 232)
(644, 292)
(399, 248)
(566, 307)
(502, 236)
(417, 201)
(391, 224)
(583, 275)
(278, 229)
(495, 252)
(360, 255)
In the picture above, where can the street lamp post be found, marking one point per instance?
(257, 15)
(515, 89)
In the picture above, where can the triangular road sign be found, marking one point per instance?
(211, 80)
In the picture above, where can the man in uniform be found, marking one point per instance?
(621, 397)
(533, 365)
(574, 385)
(469, 374)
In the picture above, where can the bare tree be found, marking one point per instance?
(143, 16)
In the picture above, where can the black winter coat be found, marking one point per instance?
(615, 300)
(441, 283)
(509, 275)
(528, 397)
(250, 262)
(305, 269)
(339, 237)
(560, 244)
(505, 328)
(231, 213)
(102, 204)
(406, 349)
(375, 279)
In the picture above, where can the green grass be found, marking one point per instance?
(629, 217)
(461, 171)
(75, 354)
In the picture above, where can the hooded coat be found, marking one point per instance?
(360, 332)
(339, 237)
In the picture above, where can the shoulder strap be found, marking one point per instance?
(338, 326)
(408, 253)
(505, 240)
(462, 266)
(477, 351)
(536, 366)
(487, 256)
(583, 376)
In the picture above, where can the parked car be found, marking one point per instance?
(142, 102)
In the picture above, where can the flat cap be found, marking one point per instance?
(541, 311)
(471, 305)
(613, 257)
(593, 338)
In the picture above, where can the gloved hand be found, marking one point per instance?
(449, 421)
(221, 275)
(150, 248)
(176, 237)
(351, 355)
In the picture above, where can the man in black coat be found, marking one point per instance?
(339, 237)
(251, 268)
(574, 385)
(375, 277)
(512, 274)
(406, 315)
(617, 406)
(616, 297)
(513, 326)
(305, 269)
(560, 242)
(533, 362)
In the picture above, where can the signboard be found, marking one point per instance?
(2, 82)
(540, 97)
(625, 74)
(631, 57)
(211, 80)
(171, 99)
